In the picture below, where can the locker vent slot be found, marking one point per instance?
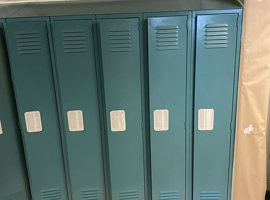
(128, 195)
(169, 195)
(74, 41)
(91, 194)
(120, 40)
(167, 37)
(28, 42)
(216, 36)
(210, 195)
(51, 194)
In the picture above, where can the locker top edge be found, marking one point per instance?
(21, 8)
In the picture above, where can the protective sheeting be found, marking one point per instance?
(254, 84)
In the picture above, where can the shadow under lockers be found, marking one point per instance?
(106, 104)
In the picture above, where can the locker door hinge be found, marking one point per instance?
(19, 126)
(238, 22)
(139, 26)
(11, 79)
(231, 131)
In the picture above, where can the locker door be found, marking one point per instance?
(13, 181)
(214, 80)
(76, 76)
(122, 88)
(35, 96)
(167, 43)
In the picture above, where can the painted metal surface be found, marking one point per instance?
(31, 8)
(120, 52)
(29, 51)
(216, 45)
(167, 51)
(13, 182)
(123, 38)
(76, 77)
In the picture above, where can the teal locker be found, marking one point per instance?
(167, 51)
(121, 67)
(30, 59)
(13, 181)
(216, 44)
(76, 77)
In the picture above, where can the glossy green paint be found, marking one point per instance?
(132, 165)
(215, 70)
(34, 91)
(167, 52)
(121, 71)
(13, 182)
(76, 78)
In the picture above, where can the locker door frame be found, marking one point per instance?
(236, 78)
(189, 94)
(143, 65)
(50, 45)
(99, 93)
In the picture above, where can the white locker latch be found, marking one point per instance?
(75, 120)
(33, 121)
(118, 120)
(161, 120)
(205, 119)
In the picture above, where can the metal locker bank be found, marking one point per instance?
(128, 100)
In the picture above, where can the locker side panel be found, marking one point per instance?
(35, 96)
(76, 77)
(214, 81)
(13, 181)
(122, 88)
(167, 50)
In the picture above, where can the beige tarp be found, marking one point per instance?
(250, 153)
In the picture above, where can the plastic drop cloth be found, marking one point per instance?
(249, 178)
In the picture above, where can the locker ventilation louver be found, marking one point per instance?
(167, 37)
(91, 194)
(169, 195)
(210, 195)
(74, 41)
(216, 36)
(28, 42)
(51, 194)
(128, 195)
(120, 40)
